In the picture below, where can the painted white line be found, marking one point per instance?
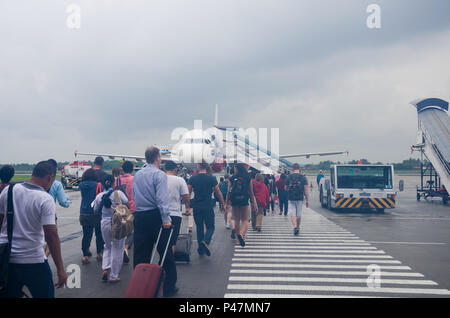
(241, 295)
(311, 272)
(250, 250)
(297, 243)
(430, 291)
(281, 236)
(297, 246)
(302, 260)
(312, 255)
(293, 265)
(311, 240)
(329, 280)
(409, 243)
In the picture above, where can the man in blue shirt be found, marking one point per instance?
(151, 196)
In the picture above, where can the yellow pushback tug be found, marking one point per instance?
(362, 186)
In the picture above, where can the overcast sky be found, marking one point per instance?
(136, 70)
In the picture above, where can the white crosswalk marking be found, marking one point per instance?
(325, 260)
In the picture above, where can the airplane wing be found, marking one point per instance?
(307, 155)
(165, 154)
(241, 149)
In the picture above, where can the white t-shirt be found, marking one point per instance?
(33, 208)
(177, 188)
(108, 212)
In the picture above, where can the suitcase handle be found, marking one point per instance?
(157, 243)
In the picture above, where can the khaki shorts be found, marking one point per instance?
(295, 208)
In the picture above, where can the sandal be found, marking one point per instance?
(85, 260)
(99, 257)
(105, 275)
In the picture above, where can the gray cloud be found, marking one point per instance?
(138, 69)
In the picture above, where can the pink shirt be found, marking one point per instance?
(127, 179)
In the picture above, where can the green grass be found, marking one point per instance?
(21, 178)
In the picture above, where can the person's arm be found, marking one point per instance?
(185, 197)
(61, 196)
(252, 197)
(227, 199)
(47, 219)
(54, 245)
(306, 196)
(220, 196)
(162, 198)
(2, 208)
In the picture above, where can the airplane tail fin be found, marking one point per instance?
(216, 116)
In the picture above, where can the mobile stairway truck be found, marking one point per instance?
(361, 186)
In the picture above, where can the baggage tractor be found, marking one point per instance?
(183, 247)
(147, 280)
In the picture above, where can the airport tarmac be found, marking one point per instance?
(411, 244)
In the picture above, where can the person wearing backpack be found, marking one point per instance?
(240, 190)
(105, 203)
(297, 190)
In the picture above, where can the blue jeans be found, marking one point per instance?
(204, 216)
(37, 277)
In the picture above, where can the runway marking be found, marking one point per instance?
(237, 295)
(391, 290)
(274, 251)
(328, 280)
(318, 272)
(302, 260)
(275, 263)
(409, 243)
(297, 246)
(312, 255)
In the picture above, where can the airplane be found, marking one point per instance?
(219, 146)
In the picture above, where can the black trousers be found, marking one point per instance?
(91, 223)
(283, 198)
(146, 229)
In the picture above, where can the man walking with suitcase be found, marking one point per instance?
(178, 193)
(151, 195)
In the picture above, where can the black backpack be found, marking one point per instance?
(296, 188)
(239, 190)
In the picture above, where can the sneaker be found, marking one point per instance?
(228, 226)
(296, 231)
(233, 234)
(126, 259)
(206, 248)
(241, 240)
(115, 280)
(258, 229)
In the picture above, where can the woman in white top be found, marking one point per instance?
(113, 250)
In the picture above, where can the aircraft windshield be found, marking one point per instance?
(363, 177)
(197, 141)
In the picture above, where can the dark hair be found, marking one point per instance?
(6, 173)
(116, 171)
(99, 161)
(170, 165)
(89, 175)
(128, 167)
(151, 154)
(108, 181)
(204, 166)
(296, 166)
(43, 169)
(53, 162)
(222, 179)
(241, 171)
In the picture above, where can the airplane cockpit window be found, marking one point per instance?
(197, 141)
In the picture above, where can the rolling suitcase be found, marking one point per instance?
(183, 247)
(147, 280)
